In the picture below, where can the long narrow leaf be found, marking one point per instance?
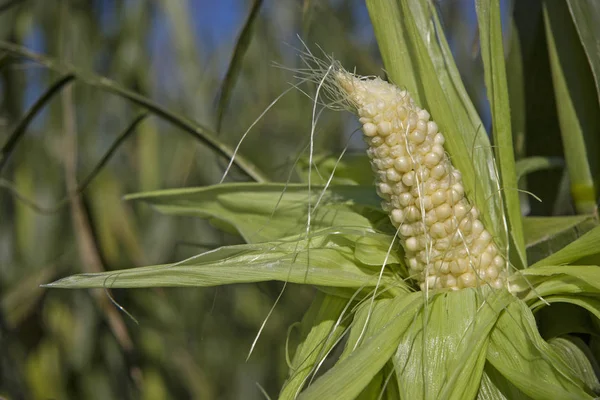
(492, 52)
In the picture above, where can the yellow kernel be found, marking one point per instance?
(402, 112)
(443, 212)
(439, 171)
(423, 115)
(384, 128)
(369, 129)
(492, 272)
(376, 141)
(497, 284)
(499, 261)
(392, 175)
(477, 227)
(438, 197)
(412, 244)
(405, 199)
(417, 136)
(432, 159)
(453, 197)
(409, 178)
(450, 225)
(382, 151)
(430, 218)
(403, 164)
(392, 140)
(413, 263)
(460, 210)
(437, 230)
(384, 188)
(467, 279)
(485, 260)
(397, 216)
(412, 214)
(406, 230)
(451, 282)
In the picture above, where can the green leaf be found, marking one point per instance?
(546, 235)
(351, 375)
(352, 169)
(394, 45)
(519, 353)
(199, 132)
(586, 14)
(270, 211)
(320, 329)
(494, 386)
(492, 53)
(235, 64)
(442, 354)
(565, 315)
(528, 165)
(326, 259)
(584, 247)
(577, 355)
(577, 102)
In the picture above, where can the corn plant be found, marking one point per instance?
(439, 288)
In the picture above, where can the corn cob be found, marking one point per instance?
(445, 242)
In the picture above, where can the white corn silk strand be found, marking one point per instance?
(445, 242)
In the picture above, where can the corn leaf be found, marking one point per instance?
(566, 314)
(584, 247)
(528, 165)
(442, 354)
(492, 53)
(321, 327)
(352, 169)
(235, 64)
(494, 386)
(270, 211)
(577, 102)
(326, 259)
(351, 375)
(573, 350)
(546, 235)
(394, 46)
(519, 353)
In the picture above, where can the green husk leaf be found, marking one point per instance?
(577, 356)
(529, 165)
(584, 247)
(352, 374)
(321, 327)
(326, 259)
(492, 53)
(577, 102)
(494, 386)
(519, 353)
(270, 211)
(546, 235)
(442, 355)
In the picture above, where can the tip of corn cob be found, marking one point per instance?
(444, 239)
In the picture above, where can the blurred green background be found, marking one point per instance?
(199, 62)
(189, 343)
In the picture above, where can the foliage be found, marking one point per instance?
(368, 333)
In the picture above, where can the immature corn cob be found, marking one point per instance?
(445, 242)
